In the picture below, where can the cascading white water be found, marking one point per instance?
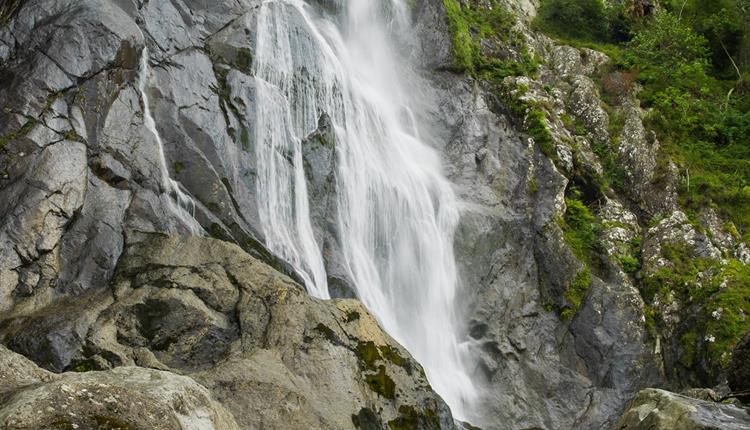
(397, 212)
(178, 202)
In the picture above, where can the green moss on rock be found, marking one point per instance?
(577, 290)
(411, 419)
(382, 384)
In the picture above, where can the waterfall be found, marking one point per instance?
(178, 202)
(397, 213)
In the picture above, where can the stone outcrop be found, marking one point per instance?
(126, 397)
(238, 333)
(661, 410)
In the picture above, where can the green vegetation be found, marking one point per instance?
(178, 167)
(411, 419)
(381, 383)
(581, 228)
(692, 59)
(576, 292)
(23, 131)
(84, 366)
(717, 297)
(470, 25)
(368, 354)
(533, 117)
(614, 174)
(8, 9)
(574, 19)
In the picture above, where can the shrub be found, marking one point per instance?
(574, 19)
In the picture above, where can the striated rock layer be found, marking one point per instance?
(192, 332)
(202, 333)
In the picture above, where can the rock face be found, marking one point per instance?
(126, 397)
(235, 329)
(657, 409)
(739, 370)
(216, 333)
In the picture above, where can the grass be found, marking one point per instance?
(581, 229)
(470, 25)
(576, 292)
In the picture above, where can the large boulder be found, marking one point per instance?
(126, 397)
(654, 409)
(272, 355)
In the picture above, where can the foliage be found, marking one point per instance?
(470, 25)
(574, 19)
(717, 296)
(697, 106)
(581, 229)
(702, 122)
(576, 292)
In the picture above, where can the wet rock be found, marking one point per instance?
(738, 371)
(321, 162)
(659, 409)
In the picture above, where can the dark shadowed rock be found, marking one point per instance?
(738, 372)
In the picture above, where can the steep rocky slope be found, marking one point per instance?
(97, 274)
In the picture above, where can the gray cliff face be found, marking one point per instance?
(541, 371)
(97, 274)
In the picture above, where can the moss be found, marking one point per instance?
(72, 135)
(391, 354)
(462, 42)
(472, 24)
(111, 423)
(581, 229)
(732, 303)
(244, 59)
(411, 419)
(576, 292)
(368, 354)
(13, 135)
(381, 383)
(366, 419)
(216, 231)
(533, 186)
(352, 316)
(715, 297)
(328, 333)
(245, 139)
(8, 9)
(629, 263)
(532, 117)
(178, 167)
(688, 343)
(84, 366)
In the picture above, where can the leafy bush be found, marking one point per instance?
(574, 19)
